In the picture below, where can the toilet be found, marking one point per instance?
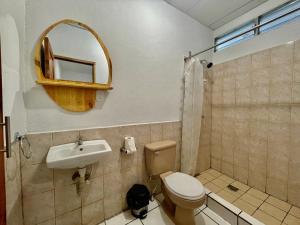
(182, 192)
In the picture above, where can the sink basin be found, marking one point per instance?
(72, 155)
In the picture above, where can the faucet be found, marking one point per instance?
(79, 141)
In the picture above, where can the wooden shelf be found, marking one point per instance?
(74, 84)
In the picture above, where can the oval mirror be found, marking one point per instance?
(73, 54)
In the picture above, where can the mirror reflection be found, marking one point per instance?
(70, 52)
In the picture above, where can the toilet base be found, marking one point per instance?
(181, 214)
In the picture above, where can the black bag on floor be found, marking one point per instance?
(138, 200)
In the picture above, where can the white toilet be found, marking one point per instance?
(182, 192)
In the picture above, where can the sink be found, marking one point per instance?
(72, 155)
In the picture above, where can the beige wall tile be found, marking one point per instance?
(14, 212)
(70, 218)
(227, 168)
(112, 183)
(39, 145)
(281, 92)
(296, 93)
(243, 96)
(280, 114)
(261, 59)
(280, 74)
(279, 132)
(93, 191)
(297, 51)
(36, 178)
(91, 134)
(229, 97)
(294, 177)
(244, 64)
(129, 177)
(93, 214)
(63, 194)
(243, 80)
(297, 71)
(156, 132)
(282, 54)
(49, 222)
(63, 177)
(260, 77)
(277, 187)
(260, 113)
(65, 137)
(112, 205)
(229, 82)
(259, 129)
(38, 208)
(295, 114)
(260, 94)
(216, 163)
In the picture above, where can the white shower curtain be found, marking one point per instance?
(192, 113)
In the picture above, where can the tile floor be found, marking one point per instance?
(156, 216)
(261, 206)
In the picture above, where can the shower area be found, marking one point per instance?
(250, 131)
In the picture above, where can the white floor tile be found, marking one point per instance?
(215, 216)
(157, 217)
(202, 219)
(153, 204)
(135, 222)
(121, 219)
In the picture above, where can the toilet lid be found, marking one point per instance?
(185, 186)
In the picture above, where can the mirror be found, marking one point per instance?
(71, 52)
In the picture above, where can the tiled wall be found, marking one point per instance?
(13, 188)
(256, 120)
(49, 196)
(205, 134)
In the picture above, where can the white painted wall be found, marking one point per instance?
(147, 40)
(287, 32)
(12, 33)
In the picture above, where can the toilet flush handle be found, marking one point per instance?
(156, 153)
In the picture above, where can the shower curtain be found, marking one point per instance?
(192, 114)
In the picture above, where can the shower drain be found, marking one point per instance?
(232, 188)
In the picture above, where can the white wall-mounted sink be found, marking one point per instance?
(73, 155)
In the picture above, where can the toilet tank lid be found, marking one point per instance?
(160, 145)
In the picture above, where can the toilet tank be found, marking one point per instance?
(160, 157)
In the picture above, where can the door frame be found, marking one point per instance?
(2, 163)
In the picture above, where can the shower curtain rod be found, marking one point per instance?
(253, 28)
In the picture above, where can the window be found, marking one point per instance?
(288, 7)
(227, 39)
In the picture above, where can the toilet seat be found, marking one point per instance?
(184, 186)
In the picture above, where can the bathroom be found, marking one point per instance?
(211, 89)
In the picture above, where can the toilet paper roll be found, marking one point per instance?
(129, 145)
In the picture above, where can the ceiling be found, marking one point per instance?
(215, 13)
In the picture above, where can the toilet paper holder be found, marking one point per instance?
(128, 145)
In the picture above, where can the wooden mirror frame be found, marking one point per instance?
(73, 96)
